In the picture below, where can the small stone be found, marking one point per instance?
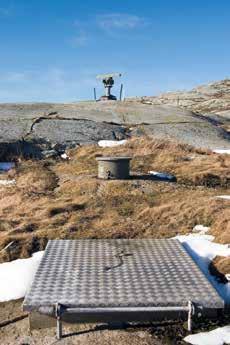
(49, 153)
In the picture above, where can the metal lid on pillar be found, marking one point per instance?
(109, 158)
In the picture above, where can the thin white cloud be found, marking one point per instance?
(80, 24)
(80, 39)
(53, 84)
(119, 21)
(14, 77)
(109, 23)
(6, 11)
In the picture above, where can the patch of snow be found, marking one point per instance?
(185, 238)
(201, 229)
(111, 143)
(218, 336)
(162, 175)
(226, 197)
(203, 251)
(7, 182)
(64, 156)
(222, 151)
(6, 166)
(16, 277)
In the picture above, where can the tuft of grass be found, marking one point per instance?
(53, 211)
(219, 267)
(126, 209)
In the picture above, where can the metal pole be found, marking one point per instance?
(95, 96)
(59, 321)
(96, 310)
(59, 328)
(121, 90)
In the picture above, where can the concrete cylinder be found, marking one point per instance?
(113, 167)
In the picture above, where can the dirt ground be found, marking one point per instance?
(18, 333)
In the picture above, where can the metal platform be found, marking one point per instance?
(119, 280)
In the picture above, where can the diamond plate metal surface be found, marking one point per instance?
(119, 273)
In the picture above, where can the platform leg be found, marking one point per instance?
(190, 313)
(59, 328)
(59, 321)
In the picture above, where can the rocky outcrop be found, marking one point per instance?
(205, 99)
(48, 129)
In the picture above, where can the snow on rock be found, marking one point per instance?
(7, 182)
(16, 277)
(203, 251)
(162, 176)
(6, 166)
(201, 229)
(218, 336)
(222, 151)
(225, 197)
(187, 238)
(65, 156)
(111, 143)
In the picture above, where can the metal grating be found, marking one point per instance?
(119, 273)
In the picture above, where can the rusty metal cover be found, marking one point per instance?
(119, 273)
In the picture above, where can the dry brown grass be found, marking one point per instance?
(190, 165)
(219, 267)
(66, 200)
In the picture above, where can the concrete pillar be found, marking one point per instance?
(113, 167)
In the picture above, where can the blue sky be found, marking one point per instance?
(53, 50)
